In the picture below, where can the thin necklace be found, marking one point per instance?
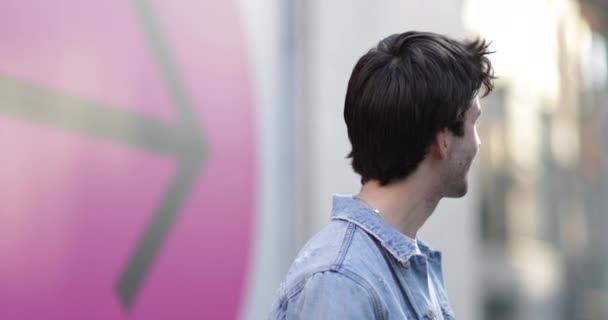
(367, 205)
(378, 213)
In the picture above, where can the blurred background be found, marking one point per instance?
(167, 159)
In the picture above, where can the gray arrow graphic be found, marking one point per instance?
(182, 139)
(191, 158)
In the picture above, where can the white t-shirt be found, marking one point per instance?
(432, 292)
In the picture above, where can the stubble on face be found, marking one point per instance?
(455, 176)
(461, 156)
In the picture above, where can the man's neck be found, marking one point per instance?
(406, 204)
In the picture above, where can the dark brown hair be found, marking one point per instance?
(403, 92)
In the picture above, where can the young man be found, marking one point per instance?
(411, 111)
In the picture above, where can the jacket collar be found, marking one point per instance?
(349, 209)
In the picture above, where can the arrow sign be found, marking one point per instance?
(181, 139)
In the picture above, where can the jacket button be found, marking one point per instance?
(430, 315)
(405, 264)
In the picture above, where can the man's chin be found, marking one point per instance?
(458, 191)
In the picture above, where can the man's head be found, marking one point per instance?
(412, 97)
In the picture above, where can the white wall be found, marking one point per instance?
(302, 54)
(270, 251)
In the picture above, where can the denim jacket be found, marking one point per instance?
(359, 267)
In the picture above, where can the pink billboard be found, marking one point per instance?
(128, 160)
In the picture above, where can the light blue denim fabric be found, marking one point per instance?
(359, 267)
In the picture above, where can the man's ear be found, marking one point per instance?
(441, 143)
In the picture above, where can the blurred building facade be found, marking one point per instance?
(543, 167)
